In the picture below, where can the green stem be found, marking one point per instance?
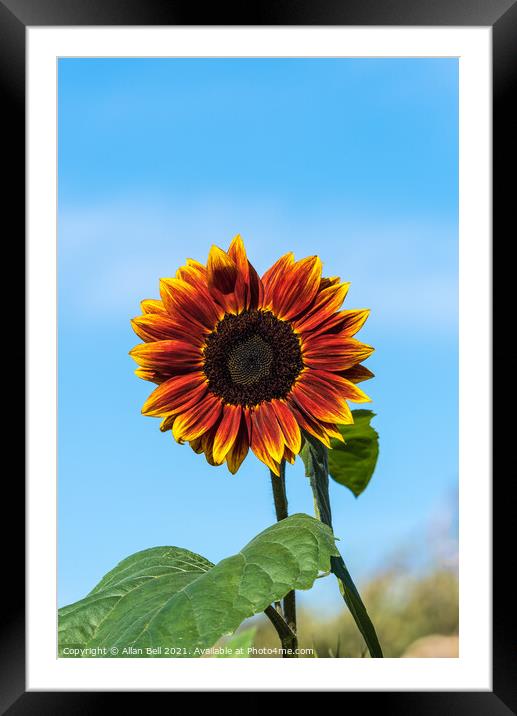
(282, 627)
(289, 641)
(279, 492)
(316, 468)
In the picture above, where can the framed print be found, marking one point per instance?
(259, 255)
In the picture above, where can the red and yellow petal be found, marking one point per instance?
(204, 444)
(154, 376)
(352, 321)
(264, 421)
(321, 399)
(346, 323)
(274, 276)
(159, 327)
(225, 281)
(349, 389)
(327, 301)
(193, 304)
(332, 431)
(207, 446)
(267, 440)
(295, 289)
(193, 273)
(309, 424)
(288, 425)
(167, 423)
(198, 419)
(357, 373)
(175, 394)
(254, 290)
(320, 429)
(227, 430)
(335, 353)
(196, 444)
(328, 281)
(169, 356)
(240, 447)
(151, 305)
(337, 383)
(289, 455)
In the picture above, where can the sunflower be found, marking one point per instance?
(246, 362)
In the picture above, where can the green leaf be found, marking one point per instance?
(352, 463)
(171, 598)
(315, 457)
(237, 647)
(174, 567)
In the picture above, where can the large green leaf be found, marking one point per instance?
(79, 623)
(352, 463)
(315, 457)
(171, 598)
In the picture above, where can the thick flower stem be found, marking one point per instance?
(317, 470)
(289, 639)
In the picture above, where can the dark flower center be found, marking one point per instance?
(250, 361)
(252, 357)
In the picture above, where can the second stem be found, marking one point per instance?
(289, 643)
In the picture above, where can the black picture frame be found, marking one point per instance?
(15, 16)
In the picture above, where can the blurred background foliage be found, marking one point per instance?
(414, 615)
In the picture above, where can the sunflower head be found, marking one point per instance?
(247, 362)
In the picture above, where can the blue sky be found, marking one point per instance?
(353, 159)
